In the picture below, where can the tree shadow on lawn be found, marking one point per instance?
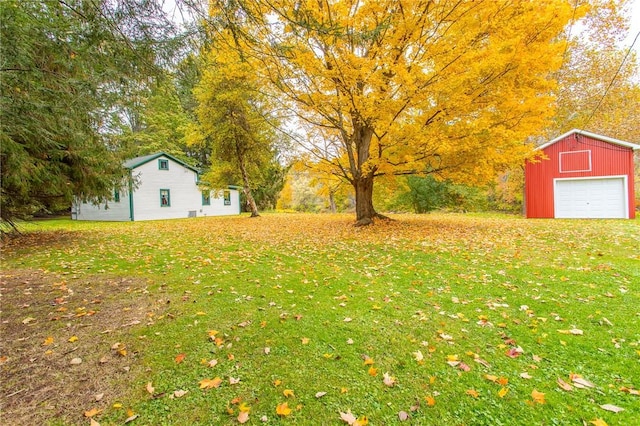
(67, 346)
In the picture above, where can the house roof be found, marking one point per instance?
(633, 146)
(139, 161)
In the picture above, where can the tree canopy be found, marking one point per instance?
(66, 68)
(409, 87)
(233, 121)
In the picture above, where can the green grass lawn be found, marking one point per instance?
(473, 320)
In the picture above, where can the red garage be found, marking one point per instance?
(584, 175)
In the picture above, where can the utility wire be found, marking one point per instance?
(612, 81)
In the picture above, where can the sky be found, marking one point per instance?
(634, 28)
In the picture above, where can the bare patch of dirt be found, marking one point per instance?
(67, 345)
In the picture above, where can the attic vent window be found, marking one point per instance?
(163, 164)
(575, 161)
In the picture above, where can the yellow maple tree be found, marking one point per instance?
(408, 87)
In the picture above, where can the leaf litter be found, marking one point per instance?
(76, 372)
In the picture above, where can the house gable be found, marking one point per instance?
(139, 161)
(590, 135)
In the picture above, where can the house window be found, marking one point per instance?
(206, 198)
(227, 198)
(163, 164)
(165, 198)
(116, 195)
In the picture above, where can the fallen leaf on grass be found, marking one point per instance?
(612, 408)
(94, 423)
(283, 409)
(388, 380)
(150, 388)
(73, 339)
(574, 331)
(472, 392)
(372, 371)
(233, 380)
(502, 392)
(179, 393)
(352, 420)
(320, 394)
(418, 356)
(210, 383)
(581, 382)
(287, 393)
(482, 362)
(348, 417)
(538, 397)
(243, 417)
(179, 358)
(526, 375)
(403, 416)
(305, 340)
(464, 367)
(564, 385)
(431, 401)
(514, 352)
(92, 412)
(630, 391)
(131, 418)
(76, 361)
(47, 341)
(598, 422)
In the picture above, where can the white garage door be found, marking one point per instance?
(590, 198)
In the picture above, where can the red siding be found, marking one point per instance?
(572, 157)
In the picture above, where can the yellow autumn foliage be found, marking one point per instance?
(409, 87)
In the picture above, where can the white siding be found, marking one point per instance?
(110, 211)
(185, 197)
(217, 207)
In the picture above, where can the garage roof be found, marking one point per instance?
(633, 146)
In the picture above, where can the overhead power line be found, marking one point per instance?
(612, 80)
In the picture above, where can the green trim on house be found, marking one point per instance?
(206, 197)
(139, 161)
(130, 195)
(165, 194)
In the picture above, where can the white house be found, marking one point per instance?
(164, 188)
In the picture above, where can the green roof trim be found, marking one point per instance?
(139, 161)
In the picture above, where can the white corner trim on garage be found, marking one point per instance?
(602, 197)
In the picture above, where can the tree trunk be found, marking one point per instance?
(246, 188)
(332, 202)
(364, 200)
